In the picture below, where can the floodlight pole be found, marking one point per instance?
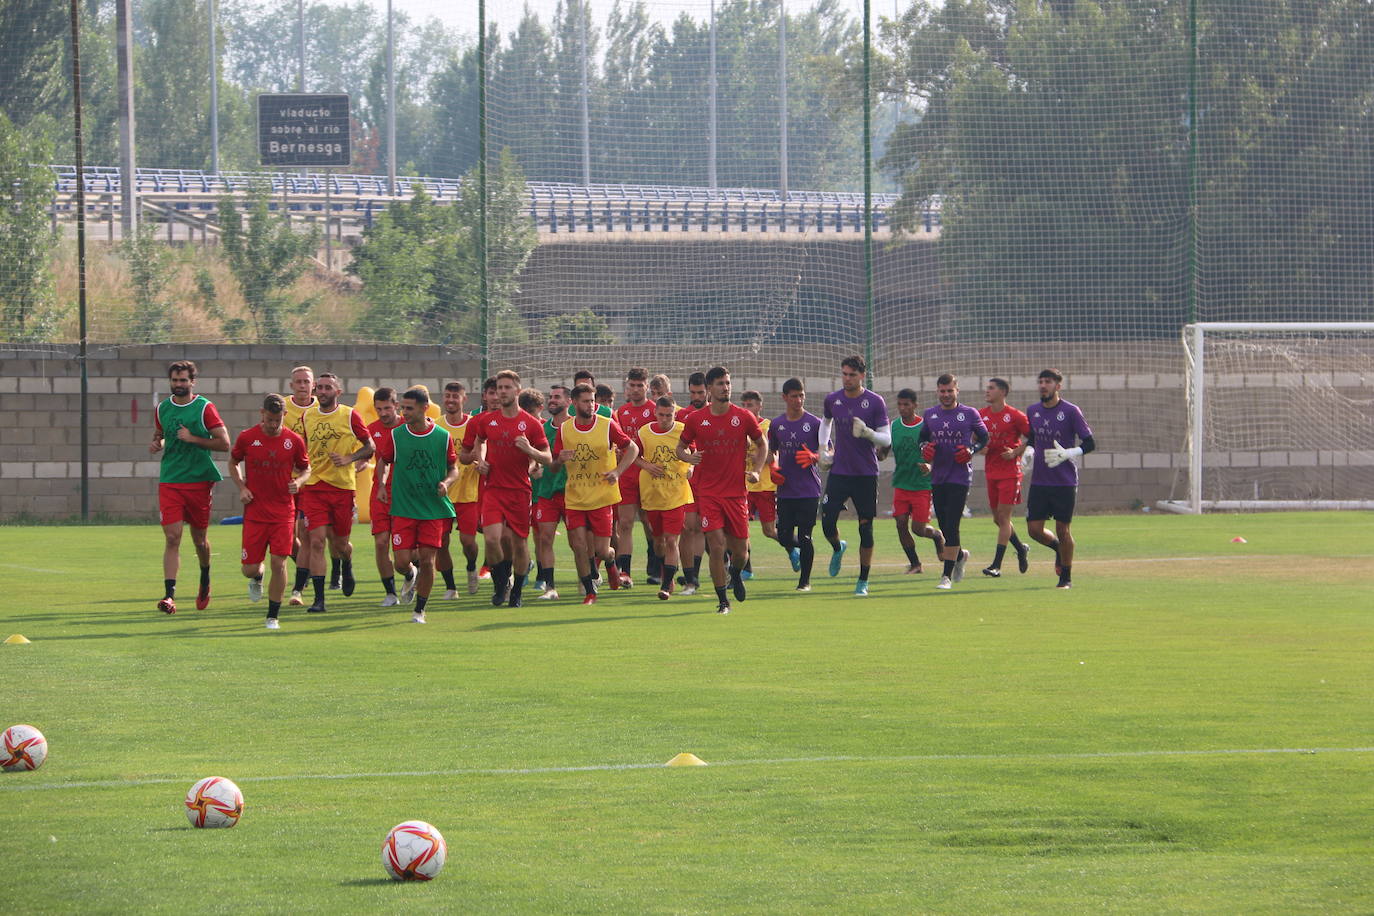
(390, 102)
(868, 187)
(128, 183)
(484, 291)
(711, 107)
(782, 98)
(582, 14)
(214, 92)
(81, 259)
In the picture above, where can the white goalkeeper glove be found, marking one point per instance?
(1028, 458)
(1058, 455)
(860, 429)
(827, 458)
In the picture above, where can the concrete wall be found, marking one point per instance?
(40, 435)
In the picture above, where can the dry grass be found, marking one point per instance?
(109, 297)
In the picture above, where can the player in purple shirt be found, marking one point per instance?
(856, 425)
(951, 434)
(795, 438)
(1055, 425)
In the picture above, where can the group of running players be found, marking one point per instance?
(692, 475)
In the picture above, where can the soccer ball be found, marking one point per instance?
(413, 851)
(22, 747)
(214, 802)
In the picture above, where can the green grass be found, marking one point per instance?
(1134, 744)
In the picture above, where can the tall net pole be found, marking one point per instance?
(868, 188)
(80, 151)
(484, 292)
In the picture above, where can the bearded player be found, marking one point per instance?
(795, 438)
(1054, 477)
(274, 468)
(384, 400)
(664, 490)
(692, 544)
(302, 382)
(463, 495)
(186, 429)
(951, 434)
(551, 507)
(911, 495)
(721, 434)
(855, 423)
(637, 411)
(512, 438)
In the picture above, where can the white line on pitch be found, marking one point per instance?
(767, 761)
(36, 569)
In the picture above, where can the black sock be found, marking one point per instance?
(589, 584)
(420, 602)
(448, 578)
(997, 559)
(596, 567)
(720, 595)
(500, 573)
(472, 564)
(669, 572)
(258, 579)
(346, 565)
(1055, 547)
(808, 558)
(949, 569)
(749, 563)
(695, 577)
(1064, 574)
(623, 562)
(205, 577)
(1016, 543)
(518, 587)
(911, 558)
(546, 576)
(863, 572)
(273, 607)
(334, 564)
(302, 577)
(170, 585)
(318, 582)
(389, 583)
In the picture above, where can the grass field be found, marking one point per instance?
(1189, 729)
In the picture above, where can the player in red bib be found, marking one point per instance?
(721, 434)
(513, 437)
(1008, 429)
(276, 468)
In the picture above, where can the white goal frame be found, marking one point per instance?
(1194, 339)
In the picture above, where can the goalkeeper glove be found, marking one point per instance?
(1058, 455)
(1028, 457)
(775, 474)
(860, 429)
(826, 459)
(806, 457)
(962, 455)
(928, 451)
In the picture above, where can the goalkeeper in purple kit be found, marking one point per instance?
(1055, 427)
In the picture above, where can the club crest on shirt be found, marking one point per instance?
(734, 421)
(1060, 415)
(806, 427)
(520, 426)
(286, 444)
(959, 416)
(1006, 418)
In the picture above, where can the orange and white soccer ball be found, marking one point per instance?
(413, 851)
(214, 802)
(22, 747)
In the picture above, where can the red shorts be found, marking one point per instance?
(260, 537)
(550, 510)
(467, 517)
(1004, 492)
(600, 521)
(915, 503)
(666, 521)
(380, 513)
(185, 502)
(629, 489)
(409, 533)
(326, 504)
(507, 507)
(728, 512)
(764, 504)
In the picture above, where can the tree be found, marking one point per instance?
(28, 310)
(149, 271)
(172, 96)
(266, 256)
(583, 328)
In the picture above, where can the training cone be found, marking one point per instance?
(17, 640)
(1239, 540)
(686, 760)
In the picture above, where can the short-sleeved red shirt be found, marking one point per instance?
(723, 442)
(1005, 429)
(510, 467)
(376, 432)
(630, 418)
(269, 463)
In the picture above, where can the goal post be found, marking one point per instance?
(1280, 416)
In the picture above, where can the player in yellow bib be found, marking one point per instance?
(586, 446)
(302, 384)
(665, 491)
(463, 494)
(763, 493)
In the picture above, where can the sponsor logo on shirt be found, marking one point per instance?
(256, 442)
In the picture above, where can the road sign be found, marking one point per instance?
(304, 129)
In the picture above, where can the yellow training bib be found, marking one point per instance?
(672, 489)
(587, 489)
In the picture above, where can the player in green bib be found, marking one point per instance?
(911, 482)
(187, 428)
(548, 495)
(421, 463)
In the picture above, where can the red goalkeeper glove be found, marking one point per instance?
(775, 474)
(806, 457)
(963, 455)
(928, 451)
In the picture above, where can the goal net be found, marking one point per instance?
(1281, 416)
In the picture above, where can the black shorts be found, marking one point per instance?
(948, 501)
(1050, 502)
(798, 513)
(860, 490)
